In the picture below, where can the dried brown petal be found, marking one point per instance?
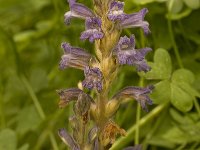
(110, 131)
(82, 105)
(68, 95)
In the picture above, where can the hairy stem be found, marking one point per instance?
(107, 64)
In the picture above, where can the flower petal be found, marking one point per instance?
(138, 93)
(136, 20)
(67, 139)
(127, 54)
(69, 95)
(116, 11)
(93, 29)
(91, 34)
(77, 10)
(74, 57)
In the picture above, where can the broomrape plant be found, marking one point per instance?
(103, 27)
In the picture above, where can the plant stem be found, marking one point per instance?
(38, 108)
(137, 131)
(138, 114)
(122, 141)
(197, 106)
(3, 121)
(34, 97)
(155, 128)
(176, 51)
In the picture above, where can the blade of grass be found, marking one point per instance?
(122, 141)
(38, 108)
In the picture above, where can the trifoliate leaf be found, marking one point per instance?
(183, 75)
(162, 92)
(181, 99)
(161, 68)
(194, 4)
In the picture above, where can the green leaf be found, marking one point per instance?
(24, 147)
(175, 135)
(179, 16)
(161, 68)
(161, 93)
(38, 79)
(188, 89)
(159, 141)
(181, 99)
(183, 75)
(184, 79)
(8, 140)
(194, 4)
(174, 6)
(28, 119)
(143, 2)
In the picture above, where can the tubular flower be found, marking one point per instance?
(116, 11)
(103, 27)
(138, 93)
(93, 29)
(74, 57)
(136, 20)
(127, 54)
(72, 94)
(93, 78)
(77, 10)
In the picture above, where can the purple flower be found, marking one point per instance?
(116, 11)
(136, 20)
(93, 78)
(93, 29)
(72, 94)
(77, 10)
(74, 57)
(68, 139)
(138, 93)
(127, 54)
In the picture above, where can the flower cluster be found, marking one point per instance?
(112, 51)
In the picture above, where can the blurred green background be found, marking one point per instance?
(31, 32)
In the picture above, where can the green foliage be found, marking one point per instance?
(174, 86)
(30, 35)
(8, 139)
